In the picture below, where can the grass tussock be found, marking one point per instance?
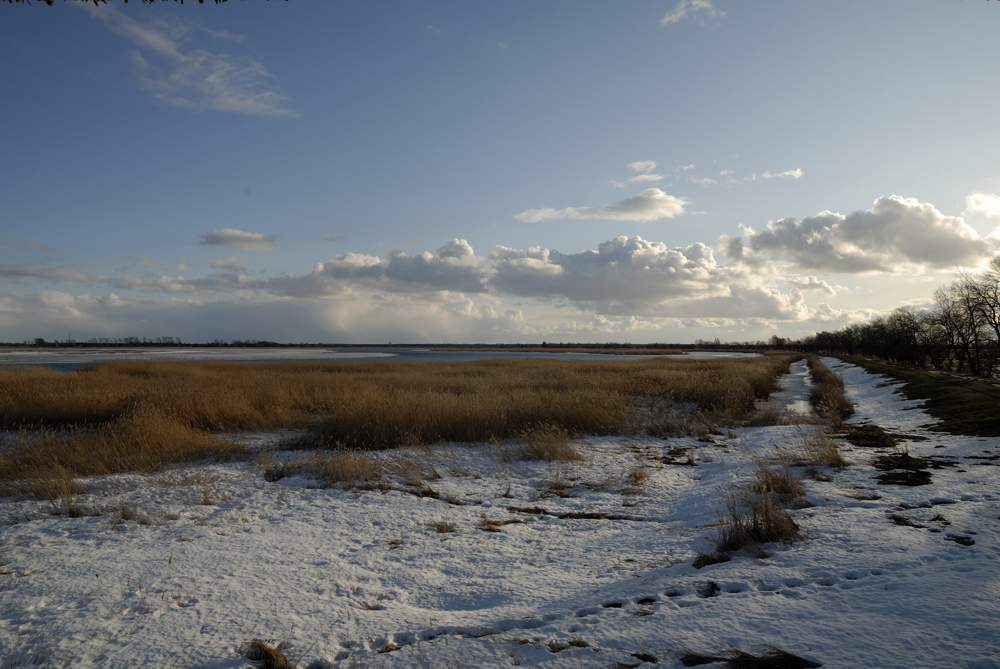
(828, 394)
(270, 657)
(777, 478)
(494, 525)
(547, 442)
(818, 448)
(60, 489)
(768, 415)
(443, 527)
(755, 514)
(637, 477)
(142, 416)
(333, 468)
(751, 518)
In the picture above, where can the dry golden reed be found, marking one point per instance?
(752, 518)
(777, 478)
(141, 416)
(828, 392)
(819, 448)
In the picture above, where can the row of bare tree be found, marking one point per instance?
(960, 331)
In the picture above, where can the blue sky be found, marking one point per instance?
(521, 171)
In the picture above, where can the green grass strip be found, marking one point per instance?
(964, 406)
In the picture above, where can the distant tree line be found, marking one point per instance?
(156, 342)
(960, 332)
(608, 345)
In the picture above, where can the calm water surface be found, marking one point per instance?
(70, 359)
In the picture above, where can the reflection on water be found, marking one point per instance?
(710, 355)
(794, 389)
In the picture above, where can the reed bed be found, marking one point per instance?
(141, 416)
(828, 392)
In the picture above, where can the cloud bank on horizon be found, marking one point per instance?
(626, 283)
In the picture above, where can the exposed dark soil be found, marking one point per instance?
(740, 659)
(869, 436)
(905, 469)
(569, 515)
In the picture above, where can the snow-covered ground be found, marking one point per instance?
(215, 555)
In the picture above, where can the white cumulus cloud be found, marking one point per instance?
(787, 174)
(896, 234)
(649, 205)
(646, 177)
(633, 276)
(238, 239)
(643, 166)
(454, 267)
(812, 283)
(981, 203)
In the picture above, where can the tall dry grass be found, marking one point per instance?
(754, 514)
(334, 468)
(828, 391)
(819, 448)
(140, 416)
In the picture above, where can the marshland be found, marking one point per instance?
(638, 511)
(558, 334)
(140, 416)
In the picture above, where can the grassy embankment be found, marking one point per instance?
(964, 406)
(141, 416)
(828, 392)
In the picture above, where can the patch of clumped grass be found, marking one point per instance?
(827, 393)
(346, 468)
(443, 527)
(549, 443)
(775, 658)
(637, 476)
(751, 519)
(270, 656)
(559, 487)
(57, 486)
(771, 414)
(818, 448)
(494, 525)
(754, 514)
(778, 479)
(145, 441)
